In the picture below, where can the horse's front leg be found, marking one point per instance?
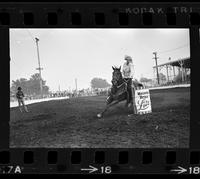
(106, 108)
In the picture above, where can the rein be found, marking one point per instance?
(117, 87)
(121, 84)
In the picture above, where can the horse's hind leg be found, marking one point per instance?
(127, 99)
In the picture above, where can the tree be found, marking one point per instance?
(136, 80)
(178, 77)
(145, 80)
(34, 84)
(22, 82)
(162, 77)
(31, 86)
(99, 83)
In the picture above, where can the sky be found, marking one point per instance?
(67, 54)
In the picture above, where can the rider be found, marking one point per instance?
(128, 72)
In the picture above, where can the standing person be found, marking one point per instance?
(20, 98)
(128, 72)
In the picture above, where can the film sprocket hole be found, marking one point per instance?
(99, 88)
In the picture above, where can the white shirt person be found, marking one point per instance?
(128, 68)
(128, 73)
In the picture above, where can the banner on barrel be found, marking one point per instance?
(142, 101)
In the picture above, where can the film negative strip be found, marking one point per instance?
(99, 88)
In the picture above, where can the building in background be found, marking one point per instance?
(177, 72)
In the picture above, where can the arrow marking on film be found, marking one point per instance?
(180, 170)
(91, 169)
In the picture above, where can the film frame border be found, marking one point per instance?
(143, 15)
(106, 15)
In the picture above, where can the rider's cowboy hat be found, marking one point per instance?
(128, 58)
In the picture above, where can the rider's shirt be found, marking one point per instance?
(19, 95)
(128, 70)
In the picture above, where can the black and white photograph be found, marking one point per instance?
(99, 88)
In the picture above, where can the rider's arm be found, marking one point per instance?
(132, 70)
(123, 71)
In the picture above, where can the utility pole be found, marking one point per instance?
(170, 70)
(167, 68)
(155, 53)
(39, 68)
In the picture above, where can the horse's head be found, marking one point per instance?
(116, 76)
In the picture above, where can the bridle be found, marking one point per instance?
(118, 86)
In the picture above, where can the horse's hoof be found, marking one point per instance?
(99, 115)
(156, 127)
(129, 105)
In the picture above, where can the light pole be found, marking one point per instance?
(39, 68)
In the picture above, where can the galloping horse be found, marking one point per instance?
(119, 90)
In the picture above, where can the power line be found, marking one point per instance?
(174, 49)
(15, 65)
(30, 35)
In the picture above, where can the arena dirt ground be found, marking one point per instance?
(72, 123)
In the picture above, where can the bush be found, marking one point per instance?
(178, 78)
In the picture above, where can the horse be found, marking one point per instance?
(119, 90)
